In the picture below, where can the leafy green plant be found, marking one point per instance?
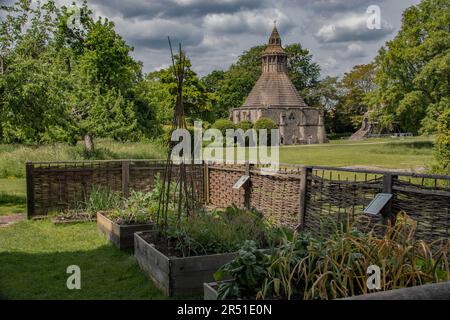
(307, 267)
(102, 199)
(265, 123)
(137, 208)
(442, 146)
(217, 231)
(248, 269)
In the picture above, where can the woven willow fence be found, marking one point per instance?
(312, 198)
(53, 186)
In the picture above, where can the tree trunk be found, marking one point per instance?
(88, 142)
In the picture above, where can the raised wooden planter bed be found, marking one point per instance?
(210, 289)
(177, 275)
(122, 236)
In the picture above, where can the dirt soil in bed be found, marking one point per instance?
(168, 246)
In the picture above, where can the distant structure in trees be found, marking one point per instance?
(275, 97)
(372, 129)
(367, 128)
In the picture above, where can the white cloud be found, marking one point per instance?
(215, 32)
(353, 50)
(254, 22)
(352, 28)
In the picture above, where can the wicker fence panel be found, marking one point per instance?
(221, 180)
(333, 199)
(143, 174)
(277, 196)
(55, 186)
(428, 205)
(59, 185)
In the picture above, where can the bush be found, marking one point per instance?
(223, 125)
(268, 124)
(245, 125)
(265, 123)
(442, 145)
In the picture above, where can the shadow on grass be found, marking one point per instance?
(106, 273)
(6, 198)
(12, 204)
(410, 145)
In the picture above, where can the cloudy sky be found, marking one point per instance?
(215, 32)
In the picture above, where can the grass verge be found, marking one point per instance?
(34, 256)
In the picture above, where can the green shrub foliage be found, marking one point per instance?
(245, 125)
(223, 125)
(265, 123)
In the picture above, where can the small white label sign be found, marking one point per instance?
(241, 182)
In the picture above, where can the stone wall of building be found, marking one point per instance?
(297, 125)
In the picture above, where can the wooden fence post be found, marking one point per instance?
(30, 189)
(206, 181)
(387, 214)
(387, 188)
(247, 186)
(303, 195)
(126, 179)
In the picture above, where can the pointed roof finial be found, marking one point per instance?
(275, 36)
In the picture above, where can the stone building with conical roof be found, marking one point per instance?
(275, 97)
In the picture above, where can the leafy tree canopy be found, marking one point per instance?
(412, 79)
(59, 83)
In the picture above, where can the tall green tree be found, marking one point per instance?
(413, 84)
(60, 83)
(161, 94)
(31, 76)
(103, 78)
(355, 87)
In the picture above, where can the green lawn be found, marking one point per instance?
(12, 196)
(34, 256)
(409, 153)
(415, 153)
